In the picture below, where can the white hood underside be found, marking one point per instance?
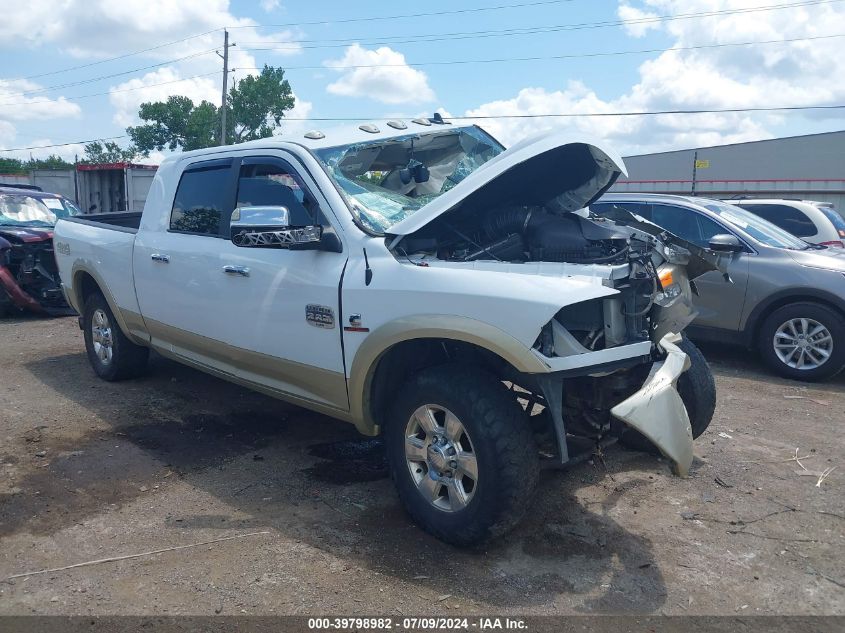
(538, 155)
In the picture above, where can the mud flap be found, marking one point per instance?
(657, 410)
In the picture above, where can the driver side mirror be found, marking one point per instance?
(725, 243)
(269, 227)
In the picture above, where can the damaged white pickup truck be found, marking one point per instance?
(417, 280)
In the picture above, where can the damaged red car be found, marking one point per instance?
(28, 276)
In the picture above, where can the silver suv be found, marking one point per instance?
(812, 221)
(787, 298)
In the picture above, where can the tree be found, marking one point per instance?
(108, 152)
(258, 104)
(51, 162)
(12, 166)
(255, 107)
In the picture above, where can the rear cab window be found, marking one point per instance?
(203, 199)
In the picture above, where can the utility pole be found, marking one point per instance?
(225, 86)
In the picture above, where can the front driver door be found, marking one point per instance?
(280, 309)
(719, 303)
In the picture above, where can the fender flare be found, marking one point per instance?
(123, 318)
(428, 326)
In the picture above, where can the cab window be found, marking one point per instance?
(271, 184)
(202, 199)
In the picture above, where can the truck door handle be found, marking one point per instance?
(159, 257)
(243, 271)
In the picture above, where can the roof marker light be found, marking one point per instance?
(315, 135)
(425, 122)
(398, 125)
(369, 127)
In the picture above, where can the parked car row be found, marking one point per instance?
(29, 279)
(787, 296)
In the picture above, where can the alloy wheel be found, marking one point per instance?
(803, 343)
(101, 336)
(441, 458)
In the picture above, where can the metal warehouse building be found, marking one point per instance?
(810, 167)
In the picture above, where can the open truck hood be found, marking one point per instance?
(555, 170)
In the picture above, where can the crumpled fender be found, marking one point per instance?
(657, 410)
(18, 296)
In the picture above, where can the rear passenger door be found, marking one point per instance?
(176, 264)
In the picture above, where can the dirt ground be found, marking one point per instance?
(92, 470)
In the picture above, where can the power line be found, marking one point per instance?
(450, 63)
(460, 35)
(321, 22)
(123, 56)
(407, 15)
(557, 57)
(584, 114)
(558, 115)
(110, 92)
(96, 79)
(92, 140)
(451, 36)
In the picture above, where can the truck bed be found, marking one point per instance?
(125, 219)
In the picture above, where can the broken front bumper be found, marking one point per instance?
(657, 410)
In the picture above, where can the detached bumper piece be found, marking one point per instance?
(657, 410)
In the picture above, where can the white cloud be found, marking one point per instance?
(128, 96)
(788, 74)
(387, 77)
(16, 107)
(101, 28)
(289, 125)
(269, 5)
(637, 22)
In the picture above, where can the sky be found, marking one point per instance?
(75, 70)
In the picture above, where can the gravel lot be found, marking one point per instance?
(93, 470)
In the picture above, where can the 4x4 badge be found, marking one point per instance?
(319, 316)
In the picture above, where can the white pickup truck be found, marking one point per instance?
(421, 282)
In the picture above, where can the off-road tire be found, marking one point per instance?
(697, 389)
(128, 360)
(831, 319)
(505, 452)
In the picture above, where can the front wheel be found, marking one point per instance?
(804, 341)
(461, 454)
(111, 354)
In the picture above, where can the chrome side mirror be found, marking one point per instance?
(269, 227)
(725, 243)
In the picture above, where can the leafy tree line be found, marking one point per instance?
(95, 153)
(255, 107)
(18, 166)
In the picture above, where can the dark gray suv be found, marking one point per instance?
(787, 298)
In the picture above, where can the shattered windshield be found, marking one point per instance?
(388, 180)
(26, 210)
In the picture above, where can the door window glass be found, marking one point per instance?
(786, 217)
(273, 185)
(201, 200)
(686, 224)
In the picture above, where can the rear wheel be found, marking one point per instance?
(461, 454)
(804, 341)
(697, 389)
(111, 354)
